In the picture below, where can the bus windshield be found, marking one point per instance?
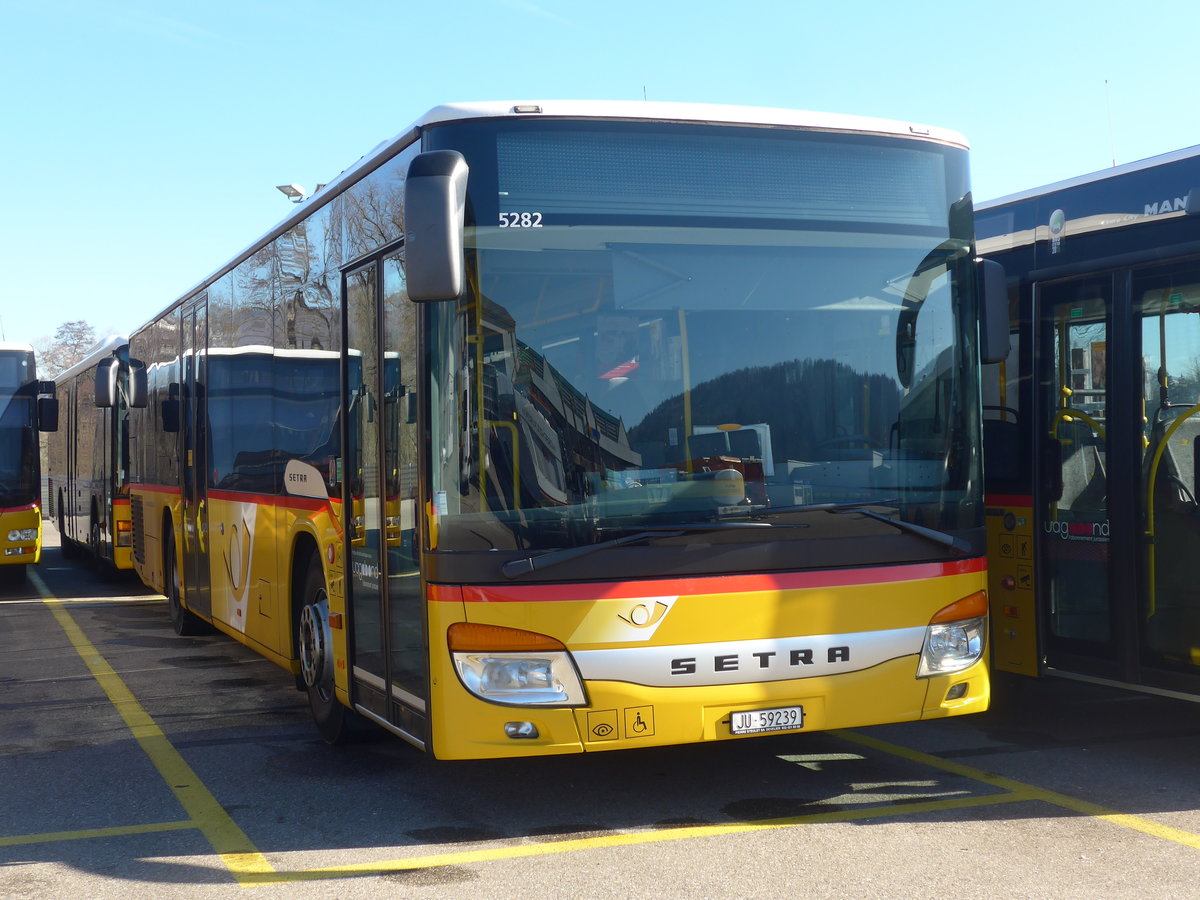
(672, 324)
(18, 442)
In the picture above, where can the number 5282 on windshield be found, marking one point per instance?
(520, 220)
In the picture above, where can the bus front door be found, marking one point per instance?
(1072, 503)
(194, 428)
(385, 604)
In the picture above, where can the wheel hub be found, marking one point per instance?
(316, 661)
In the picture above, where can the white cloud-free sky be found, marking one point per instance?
(141, 141)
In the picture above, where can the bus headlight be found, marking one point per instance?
(514, 667)
(955, 637)
(22, 534)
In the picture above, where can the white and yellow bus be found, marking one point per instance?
(558, 427)
(27, 406)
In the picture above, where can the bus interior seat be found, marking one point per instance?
(1177, 470)
(1084, 479)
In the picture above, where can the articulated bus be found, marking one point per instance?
(23, 412)
(88, 458)
(1091, 428)
(558, 427)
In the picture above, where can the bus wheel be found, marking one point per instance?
(65, 545)
(315, 642)
(185, 623)
(99, 563)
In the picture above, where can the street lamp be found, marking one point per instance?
(293, 192)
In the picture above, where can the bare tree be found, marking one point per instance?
(70, 343)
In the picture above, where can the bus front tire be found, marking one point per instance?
(314, 641)
(185, 623)
(65, 545)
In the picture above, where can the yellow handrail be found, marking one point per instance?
(1152, 477)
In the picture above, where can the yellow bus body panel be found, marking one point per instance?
(250, 544)
(621, 714)
(24, 552)
(1011, 585)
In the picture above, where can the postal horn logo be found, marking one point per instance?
(642, 616)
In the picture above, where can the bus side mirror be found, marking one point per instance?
(106, 382)
(993, 308)
(139, 391)
(47, 413)
(435, 198)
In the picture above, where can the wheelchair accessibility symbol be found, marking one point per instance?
(639, 721)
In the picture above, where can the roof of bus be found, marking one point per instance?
(13, 345)
(683, 112)
(1092, 177)
(102, 350)
(589, 109)
(632, 111)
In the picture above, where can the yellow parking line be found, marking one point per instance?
(1028, 791)
(250, 867)
(85, 601)
(229, 841)
(51, 837)
(492, 854)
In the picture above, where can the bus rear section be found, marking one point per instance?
(27, 406)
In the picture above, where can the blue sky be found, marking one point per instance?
(141, 141)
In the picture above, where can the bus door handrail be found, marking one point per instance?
(1151, 478)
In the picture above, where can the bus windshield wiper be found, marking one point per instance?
(829, 507)
(860, 506)
(515, 568)
(938, 537)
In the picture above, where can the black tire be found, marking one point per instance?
(336, 723)
(185, 623)
(66, 546)
(100, 565)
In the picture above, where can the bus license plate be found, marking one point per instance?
(756, 721)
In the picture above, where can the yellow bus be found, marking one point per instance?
(572, 426)
(88, 458)
(26, 406)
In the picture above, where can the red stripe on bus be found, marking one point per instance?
(11, 509)
(281, 500)
(155, 488)
(717, 584)
(288, 501)
(1008, 499)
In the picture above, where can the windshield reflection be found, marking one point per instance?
(624, 374)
